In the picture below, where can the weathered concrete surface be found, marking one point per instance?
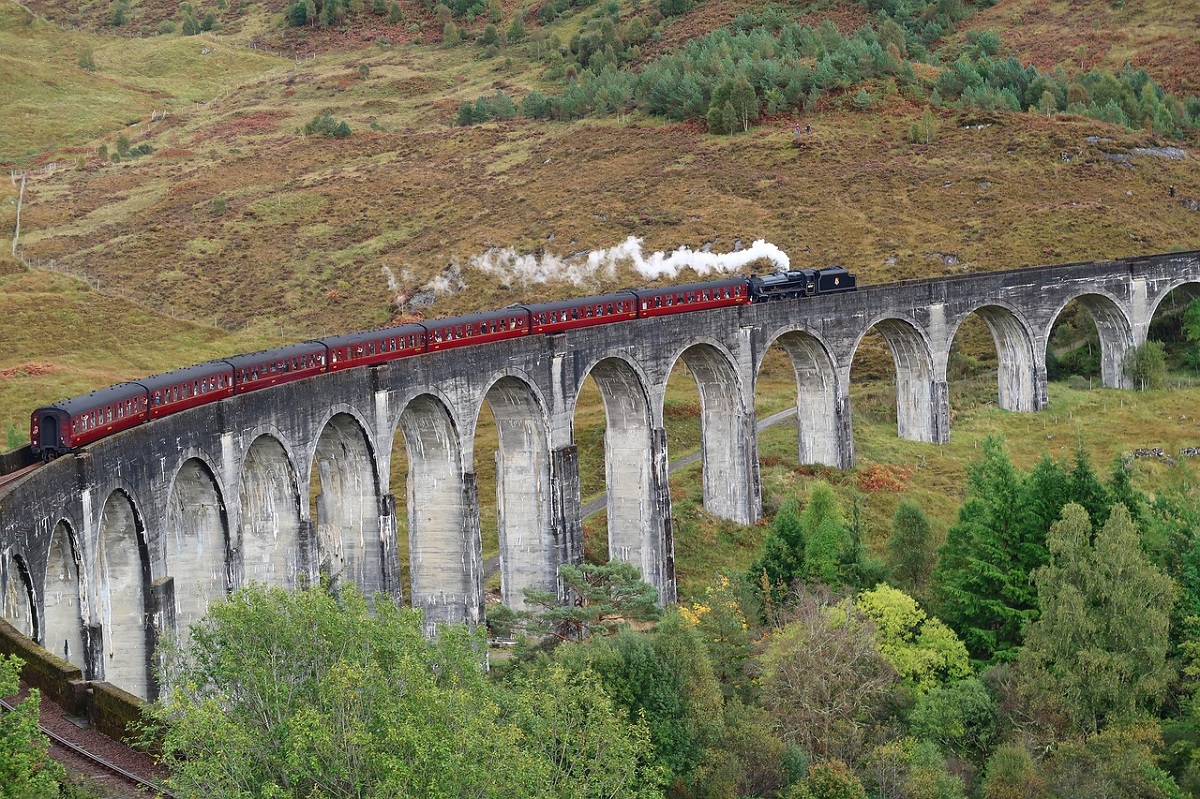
(103, 553)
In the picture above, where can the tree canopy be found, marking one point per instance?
(26, 770)
(1100, 646)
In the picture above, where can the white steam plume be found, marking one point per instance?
(512, 267)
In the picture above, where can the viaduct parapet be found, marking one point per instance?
(105, 552)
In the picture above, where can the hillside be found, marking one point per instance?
(246, 230)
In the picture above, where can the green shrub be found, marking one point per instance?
(323, 124)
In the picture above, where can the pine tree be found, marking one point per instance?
(982, 576)
(783, 559)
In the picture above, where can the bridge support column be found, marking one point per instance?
(730, 459)
(392, 584)
(845, 423)
(160, 620)
(940, 408)
(1041, 383)
(448, 571)
(753, 487)
(473, 612)
(93, 651)
(660, 552)
(566, 508)
(309, 566)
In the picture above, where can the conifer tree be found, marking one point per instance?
(982, 576)
(1099, 649)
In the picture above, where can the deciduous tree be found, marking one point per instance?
(303, 694)
(26, 770)
(823, 679)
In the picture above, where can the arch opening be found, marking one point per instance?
(18, 599)
(1176, 325)
(800, 359)
(1002, 370)
(270, 505)
(633, 524)
(912, 383)
(444, 556)
(511, 433)
(196, 538)
(722, 425)
(1089, 337)
(345, 506)
(124, 569)
(64, 597)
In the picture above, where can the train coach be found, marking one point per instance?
(65, 426)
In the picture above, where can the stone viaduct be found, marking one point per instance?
(104, 552)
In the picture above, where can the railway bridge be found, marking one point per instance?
(105, 552)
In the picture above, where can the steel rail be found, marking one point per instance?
(139, 782)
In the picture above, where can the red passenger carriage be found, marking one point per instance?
(60, 428)
(692, 297)
(280, 365)
(374, 346)
(479, 328)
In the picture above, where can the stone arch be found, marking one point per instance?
(347, 508)
(1190, 290)
(916, 400)
(634, 533)
(20, 604)
(528, 551)
(444, 546)
(1017, 361)
(64, 634)
(818, 397)
(123, 564)
(196, 536)
(269, 498)
(1115, 330)
(726, 431)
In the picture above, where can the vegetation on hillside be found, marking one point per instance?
(207, 178)
(849, 687)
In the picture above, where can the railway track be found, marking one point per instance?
(12, 476)
(96, 762)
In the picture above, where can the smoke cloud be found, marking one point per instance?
(511, 267)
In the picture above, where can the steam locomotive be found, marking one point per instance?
(65, 426)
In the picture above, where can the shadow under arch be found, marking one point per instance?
(1016, 378)
(196, 543)
(63, 599)
(443, 530)
(269, 540)
(123, 566)
(344, 487)
(1178, 296)
(20, 604)
(726, 432)
(818, 400)
(915, 390)
(1115, 331)
(635, 529)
